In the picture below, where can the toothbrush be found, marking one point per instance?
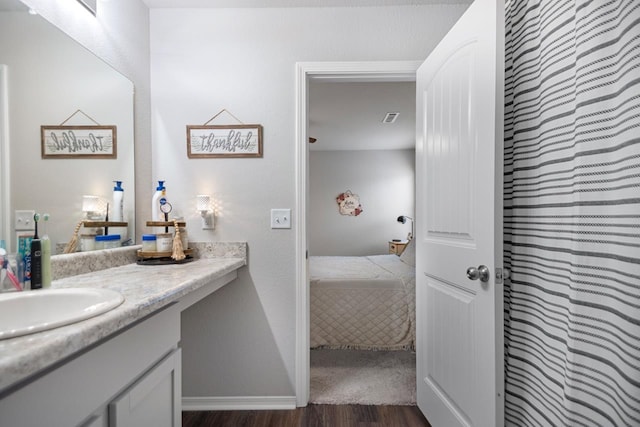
(36, 257)
(106, 219)
(14, 280)
(45, 218)
(6, 269)
(45, 244)
(12, 277)
(36, 218)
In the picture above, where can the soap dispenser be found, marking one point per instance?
(118, 202)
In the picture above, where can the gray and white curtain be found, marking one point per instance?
(572, 213)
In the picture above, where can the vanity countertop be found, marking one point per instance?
(146, 289)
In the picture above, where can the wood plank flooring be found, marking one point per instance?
(311, 416)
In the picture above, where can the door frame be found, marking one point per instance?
(5, 171)
(375, 71)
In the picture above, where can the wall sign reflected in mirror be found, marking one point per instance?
(45, 94)
(73, 142)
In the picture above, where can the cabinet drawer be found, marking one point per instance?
(397, 247)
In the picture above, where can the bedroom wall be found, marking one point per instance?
(240, 342)
(385, 182)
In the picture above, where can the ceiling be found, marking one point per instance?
(349, 115)
(291, 3)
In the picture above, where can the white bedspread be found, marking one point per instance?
(362, 302)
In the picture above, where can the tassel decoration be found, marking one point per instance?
(72, 246)
(178, 250)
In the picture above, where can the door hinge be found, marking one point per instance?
(501, 275)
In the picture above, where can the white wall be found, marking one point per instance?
(385, 182)
(241, 340)
(119, 34)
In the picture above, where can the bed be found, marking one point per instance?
(363, 302)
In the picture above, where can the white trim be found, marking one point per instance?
(238, 403)
(5, 171)
(302, 295)
(334, 71)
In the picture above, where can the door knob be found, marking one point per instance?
(482, 273)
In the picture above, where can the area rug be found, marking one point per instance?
(363, 377)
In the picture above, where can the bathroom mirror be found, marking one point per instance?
(46, 77)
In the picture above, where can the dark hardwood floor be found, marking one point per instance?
(311, 416)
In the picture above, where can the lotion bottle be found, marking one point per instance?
(156, 214)
(118, 202)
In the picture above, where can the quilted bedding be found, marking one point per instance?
(363, 302)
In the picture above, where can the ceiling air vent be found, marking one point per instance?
(390, 117)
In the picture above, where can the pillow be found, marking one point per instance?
(408, 256)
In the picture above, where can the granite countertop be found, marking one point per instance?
(146, 289)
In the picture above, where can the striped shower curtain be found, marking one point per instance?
(572, 213)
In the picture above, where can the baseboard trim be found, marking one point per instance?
(236, 403)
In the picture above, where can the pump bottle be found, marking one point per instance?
(118, 202)
(156, 214)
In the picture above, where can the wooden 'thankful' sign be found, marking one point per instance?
(224, 141)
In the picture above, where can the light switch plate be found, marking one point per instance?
(280, 218)
(24, 220)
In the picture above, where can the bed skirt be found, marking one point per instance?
(370, 310)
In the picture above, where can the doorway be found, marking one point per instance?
(5, 223)
(328, 71)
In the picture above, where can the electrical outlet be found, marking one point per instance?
(208, 220)
(24, 220)
(280, 218)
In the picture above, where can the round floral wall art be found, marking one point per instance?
(349, 203)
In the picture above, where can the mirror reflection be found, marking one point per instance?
(46, 77)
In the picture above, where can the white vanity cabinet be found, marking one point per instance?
(131, 379)
(123, 367)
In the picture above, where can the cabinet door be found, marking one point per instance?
(153, 400)
(99, 419)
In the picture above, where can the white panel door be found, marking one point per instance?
(460, 91)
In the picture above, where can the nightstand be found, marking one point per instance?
(397, 247)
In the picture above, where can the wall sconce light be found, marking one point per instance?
(204, 206)
(403, 219)
(91, 207)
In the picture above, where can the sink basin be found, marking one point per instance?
(23, 313)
